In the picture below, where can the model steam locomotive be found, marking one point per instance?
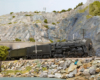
(74, 48)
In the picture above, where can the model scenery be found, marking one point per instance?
(74, 48)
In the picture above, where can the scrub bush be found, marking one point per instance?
(3, 52)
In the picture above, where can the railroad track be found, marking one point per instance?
(95, 58)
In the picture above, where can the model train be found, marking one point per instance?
(74, 48)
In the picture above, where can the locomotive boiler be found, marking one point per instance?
(71, 48)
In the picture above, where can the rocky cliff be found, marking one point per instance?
(59, 26)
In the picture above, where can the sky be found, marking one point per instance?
(7, 6)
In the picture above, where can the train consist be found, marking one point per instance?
(74, 48)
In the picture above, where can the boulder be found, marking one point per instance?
(79, 64)
(43, 75)
(58, 75)
(51, 76)
(63, 76)
(72, 74)
(66, 64)
(18, 73)
(72, 67)
(87, 65)
(82, 69)
(53, 66)
(1, 75)
(63, 71)
(97, 70)
(86, 72)
(92, 70)
(78, 74)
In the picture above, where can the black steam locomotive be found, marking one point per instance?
(74, 48)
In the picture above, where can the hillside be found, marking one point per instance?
(46, 27)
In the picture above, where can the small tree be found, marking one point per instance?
(46, 26)
(17, 39)
(45, 21)
(32, 39)
(13, 16)
(69, 9)
(3, 52)
(54, 23)
(80, 4)
(10, 23)
(63, 10)
(11, 12)
(64, 40)
(54, 11)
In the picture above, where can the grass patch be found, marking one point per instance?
(58, 22)
(15, 22)
(83, 10)
(54, 23)
(17, 39)
(46, 26)
(28, 68)
(64, 40)
(32, 39)
(51, 41)
(88, 16)
(10, 23)
(6, 72)
(28, 15)
(44, 68)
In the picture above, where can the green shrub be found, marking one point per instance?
(32, 39)
(3, 52)
(44, 68)
(80, 4)
(13, 16)
(17, 39)
(15, 22)
(83, 10)
(46, 26)
(11, 12)
(36, 11)
(54, 23)
(64, 40)
(28, 15)
(38, 21)
(58, 22)
(51, 41)
(94, 8)
(58, 40)
(69, 9)
(0, 39)
(54, 11)
(45, 21)
(28, 68)
(88, 16)
(63, 10)
(10, 23)
(36, 70)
